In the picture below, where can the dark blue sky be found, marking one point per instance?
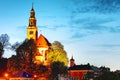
(88, 29)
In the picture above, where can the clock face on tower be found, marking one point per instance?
(31, 32)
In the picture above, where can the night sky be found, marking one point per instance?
(88, 29)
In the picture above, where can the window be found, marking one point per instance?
(31, 32)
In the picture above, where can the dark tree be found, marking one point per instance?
(15, 46)
(104, 69)
(4, 43)
(89, 75)
(13, 65)
(58, 68)
(3, 66)
(109, 76)
(1, 50)
(24, 60)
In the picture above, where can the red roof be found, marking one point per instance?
(42, 42)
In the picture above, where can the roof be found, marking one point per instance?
(42, 42)
(80, 67)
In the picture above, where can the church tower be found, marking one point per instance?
(41, 42)
(32, 31)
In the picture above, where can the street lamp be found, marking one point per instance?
(6, 75)
(35, 76)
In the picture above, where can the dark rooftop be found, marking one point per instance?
(80, 67)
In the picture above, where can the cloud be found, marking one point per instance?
(109, 45)
(100, 6)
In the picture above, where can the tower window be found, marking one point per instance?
(31, 32)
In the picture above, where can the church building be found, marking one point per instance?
(41, 42)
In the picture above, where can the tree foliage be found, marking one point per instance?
(3, 66)
(4, 42)
(109, 76)
(57, 53)
(4, 39)
(58, 68)
(13, 65)
(15, 46)
(24, 56)
(1, 50)
(23, 60)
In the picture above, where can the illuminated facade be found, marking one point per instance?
(41, 42)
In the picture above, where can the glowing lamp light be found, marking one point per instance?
(35, 76)
(6, 75)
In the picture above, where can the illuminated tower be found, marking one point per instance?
(41, 42)
(32, 31)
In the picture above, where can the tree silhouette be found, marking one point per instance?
(4, 43)
(3, 66)
(58, 68)
(23, 59)
(109, 76)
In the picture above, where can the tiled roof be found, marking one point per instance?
(42, 42)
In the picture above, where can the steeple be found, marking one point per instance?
(32, 31)
(32, 19)
(32, 12)
(72, 62)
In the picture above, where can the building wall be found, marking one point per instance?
(78, 74)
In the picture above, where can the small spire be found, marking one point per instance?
(32, 12)
(32, 5)
(72, 58)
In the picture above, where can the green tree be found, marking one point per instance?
(4, 43)
(57, 53)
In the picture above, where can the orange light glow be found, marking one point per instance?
(6, 75)
(35, 76)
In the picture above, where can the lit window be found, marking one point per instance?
(31, 32)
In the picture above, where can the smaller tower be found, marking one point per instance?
(72, 62)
